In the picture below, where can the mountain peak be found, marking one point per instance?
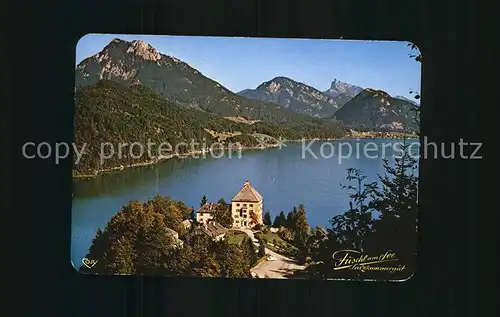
(297, 96)
(377, 92)
(144, 50)
(338, 88)
(118, 40)
(277, 80)
(375, 110)
(337, 84)
(275, 84)
(139, 48)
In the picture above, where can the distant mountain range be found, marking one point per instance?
(342, 90)
(376, 110)
(296, 96)
(357, 108)
(280, 100)
(137, 62)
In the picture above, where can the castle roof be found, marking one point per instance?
(212, 229)
(247, 194)
(210, 207)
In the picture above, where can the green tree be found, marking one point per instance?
(204, 262)
(300, 227)
(151, 245)
(267, 219)
(351, 227)
(314, 241)
(223, 215)
(204, 200)
(290, 219)
(232, 261)
(416, 55)
(397, 202)
(179, 261)
(222, 201)
(416, 108)
(249, 251)
(280, 220)
(172, 211)
(286, 234)
(262, 249)
(135, 241)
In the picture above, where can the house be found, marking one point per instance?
(213, 230)
(186, 223)
(175, 237)
(205, 214)
(247, 201)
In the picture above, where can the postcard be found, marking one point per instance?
(221, 157)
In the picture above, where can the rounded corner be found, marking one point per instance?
(77, 270)
(415, 45)
(82, 37)
(408, 278)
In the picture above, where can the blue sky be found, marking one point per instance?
(241, 63)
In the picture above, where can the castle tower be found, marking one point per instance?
(246, 207)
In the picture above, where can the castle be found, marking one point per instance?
(245, 208)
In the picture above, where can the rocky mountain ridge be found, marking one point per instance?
(294, 95)
(376, 110)
(280, 100)
(139, 63)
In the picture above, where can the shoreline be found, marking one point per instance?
(366, 135)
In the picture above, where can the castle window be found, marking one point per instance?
(251, 205)
(237, 205)
(244, 205)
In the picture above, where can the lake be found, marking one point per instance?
(295, 174)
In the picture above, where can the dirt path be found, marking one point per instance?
(279, 267)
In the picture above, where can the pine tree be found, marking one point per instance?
(351, 227)
(290, 219)
(267, 219)
(301, 227)
(222, 201)
(399, 193)
(249, 251)
(203, 200)
(276, 222)
(280, 220)
(397, 202)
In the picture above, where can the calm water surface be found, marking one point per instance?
(284, 177)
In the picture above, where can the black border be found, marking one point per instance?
(40, 91)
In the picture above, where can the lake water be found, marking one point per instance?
(285, 177)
